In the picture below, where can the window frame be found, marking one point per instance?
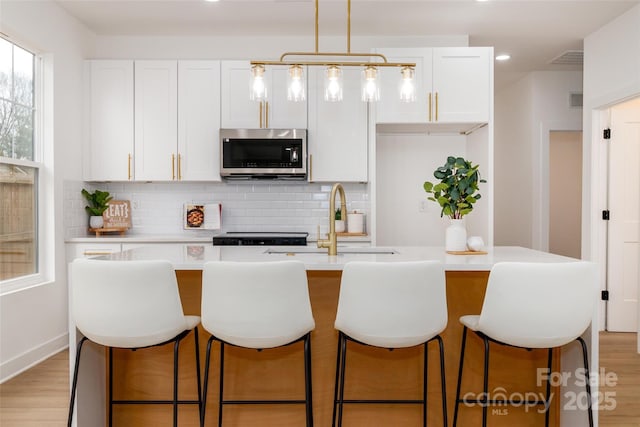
(42, 163)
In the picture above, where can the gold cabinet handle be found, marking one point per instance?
(129, 167)
(266, 114)
(179, 167)
(260, 114)
(429, 106)
(436, 106)
(173, 167)
(96, 253)
(310, 167)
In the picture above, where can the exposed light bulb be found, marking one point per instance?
(296, 85)
(370, 87)
(407, 85)
(258, 87)
(333, 84)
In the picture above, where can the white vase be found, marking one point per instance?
(96, 221)
(340, 228)
(456, 236)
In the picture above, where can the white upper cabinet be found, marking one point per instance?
(462, 84)
(109, 120)
(337, 134)
(156, 124)
(239, 111)
(198, 121)
(453, 85)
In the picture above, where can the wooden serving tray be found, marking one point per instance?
(101, 231)
(350, 234)
(467, 252)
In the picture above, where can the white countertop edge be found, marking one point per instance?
(194, 256)
(141, 238)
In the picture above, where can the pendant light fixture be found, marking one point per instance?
(370, 88)
(258, 87)
(296, 86)
(408, 85)
(334, 62)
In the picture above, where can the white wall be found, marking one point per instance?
(526, 112)
(34, 320)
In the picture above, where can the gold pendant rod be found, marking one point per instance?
(349, 26)
(347, 54)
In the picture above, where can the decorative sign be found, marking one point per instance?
(203, 217)
(118, 214)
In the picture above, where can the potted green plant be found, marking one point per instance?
(340, 225)
(98, 203)
(456, 193)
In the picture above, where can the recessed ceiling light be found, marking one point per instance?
(503, 57)
(211, 1)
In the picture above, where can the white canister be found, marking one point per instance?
(355, 222)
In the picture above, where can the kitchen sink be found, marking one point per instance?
(314, 250)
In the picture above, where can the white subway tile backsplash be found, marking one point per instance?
(157, 208)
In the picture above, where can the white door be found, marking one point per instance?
(238, 110)
(198, 121)
(110, 88)
(624, 232)
(337, 131)
(156, 120)
(462, 84)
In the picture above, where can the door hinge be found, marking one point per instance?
(606, 134)
(605, 215)
(605, 296)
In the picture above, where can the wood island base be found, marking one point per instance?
(372, 373)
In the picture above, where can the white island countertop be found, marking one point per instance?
(193, 256)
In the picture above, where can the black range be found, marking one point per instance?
(239, 238)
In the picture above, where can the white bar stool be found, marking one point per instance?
(131, 305)
(532, 305)
(256, 305)
(391, 305)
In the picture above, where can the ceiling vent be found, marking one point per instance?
(569, 57)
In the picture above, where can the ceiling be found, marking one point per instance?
(533, 32)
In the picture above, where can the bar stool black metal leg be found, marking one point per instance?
(307, 380)
(175, 382)
(425, 381)
(206, 381)
(455, 410)
(74, 384)
(443, 383)
(220, 398)
(547, 403)
(337, 383)
(197, 345)
(485, 383)
(110, 386)
(585, 359)
(343, 368)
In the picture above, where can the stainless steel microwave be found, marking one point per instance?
(263, 153)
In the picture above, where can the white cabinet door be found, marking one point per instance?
(281, 113)
(198, 121)
(109, 154)
(337, 131)
(238, 111)
(91, 250)
(453, 85)
(462, 84)
(156, 120)
(389, 109)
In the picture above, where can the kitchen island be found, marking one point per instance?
(380, 373)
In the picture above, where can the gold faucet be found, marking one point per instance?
(331, 243)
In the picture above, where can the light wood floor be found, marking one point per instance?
(39, 397)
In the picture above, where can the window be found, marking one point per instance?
(19, 163)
